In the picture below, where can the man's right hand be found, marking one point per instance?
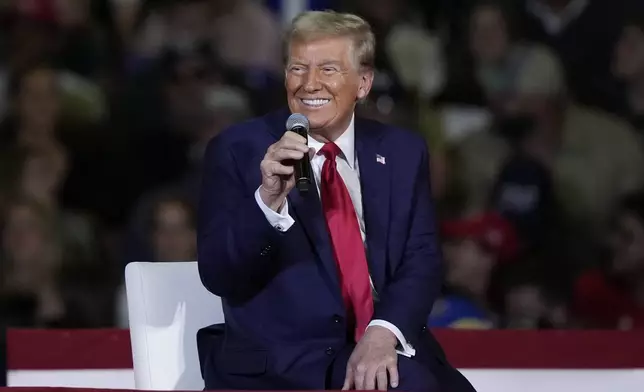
(278, 171)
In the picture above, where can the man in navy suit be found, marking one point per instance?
(328, 289)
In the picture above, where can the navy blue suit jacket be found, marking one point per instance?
(285, 318)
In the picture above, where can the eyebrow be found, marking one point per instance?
(330, 62)
(322, 63)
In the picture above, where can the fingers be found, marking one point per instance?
(370, 377)
(283, 154)
(359, 376)
(291, 141)
(375, 379)
(348, 379)
(269, 168)
(375, 376)
(394, 378)
(381, 379)
(292, 136)
(291, 147)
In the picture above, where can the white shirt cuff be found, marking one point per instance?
(407, 349)
(281, 220)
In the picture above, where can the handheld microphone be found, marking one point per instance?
(299, 124)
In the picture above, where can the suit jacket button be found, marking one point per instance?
(337, 319)
(423, 329)
(330, 351)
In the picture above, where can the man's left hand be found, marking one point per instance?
(373, 358)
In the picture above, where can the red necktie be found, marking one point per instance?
(347, 242)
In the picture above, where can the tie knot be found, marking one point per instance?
(330, 151)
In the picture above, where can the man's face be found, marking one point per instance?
(38, 98)
(629, 54)
(525, 306)
(174, 237)
(468, 265)
(488, 35)
(323, 82)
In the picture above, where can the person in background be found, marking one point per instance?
(171, 237)
(31, 263)
(473, 248)
(173, 230)
(74, 153)
(594, 158)
(533, 296)
(257, 50)
(35, 120)
(223, 105)
(182, 25)
(569, 29)
(61, 30)
(178, 26)
(498, 50)
(523, 191)
(39, 286)
(39, 175)
(409, 62)
(613, 297)
(628, 66)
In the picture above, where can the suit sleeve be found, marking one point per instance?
(408, 299)
(235, 241)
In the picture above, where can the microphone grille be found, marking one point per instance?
(297, 120)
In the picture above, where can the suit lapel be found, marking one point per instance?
(306, 209)
(376, 184)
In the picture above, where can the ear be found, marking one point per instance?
(366, 81)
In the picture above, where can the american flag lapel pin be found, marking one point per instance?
(380, 159)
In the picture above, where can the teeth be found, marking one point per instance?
(315, 102)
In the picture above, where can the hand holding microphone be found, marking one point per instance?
(286, 164)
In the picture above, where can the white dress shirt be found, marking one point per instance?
(347, 164)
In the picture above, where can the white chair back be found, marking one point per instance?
(167, 305)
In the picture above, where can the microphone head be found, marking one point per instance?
(297, 120)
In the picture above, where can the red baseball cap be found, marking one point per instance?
(490, 229)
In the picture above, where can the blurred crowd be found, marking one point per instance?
(533, 111)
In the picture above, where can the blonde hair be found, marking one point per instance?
(312, 25)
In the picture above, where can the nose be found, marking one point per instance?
(312, 81)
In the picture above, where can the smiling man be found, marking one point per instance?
(328, 289)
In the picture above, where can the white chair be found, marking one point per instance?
(167, 305)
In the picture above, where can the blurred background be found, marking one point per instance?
(533, 111)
